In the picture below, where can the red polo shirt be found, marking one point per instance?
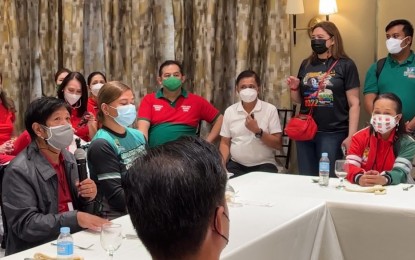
(171, 120)
(64, 193)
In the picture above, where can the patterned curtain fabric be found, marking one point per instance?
(215, 40)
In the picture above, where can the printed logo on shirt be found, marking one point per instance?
(128, 157)
(410, 72)
(365, 155)
(157, 107)
(186, 108)
(316, 93)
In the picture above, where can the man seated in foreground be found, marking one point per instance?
(175, 195)
(41, 188)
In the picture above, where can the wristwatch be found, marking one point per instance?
(259, 134)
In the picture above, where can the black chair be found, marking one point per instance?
(199, 128)
(285, 116)
(3, 217)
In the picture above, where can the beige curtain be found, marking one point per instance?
(129, 39)
(217, 40)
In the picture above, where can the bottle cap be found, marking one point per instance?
(325, 154)
(65, 230)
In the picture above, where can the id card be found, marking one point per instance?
(70, 206)
(410, 72)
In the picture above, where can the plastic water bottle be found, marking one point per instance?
(65, 244)
(324, 170)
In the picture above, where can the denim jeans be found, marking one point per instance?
(309, 152)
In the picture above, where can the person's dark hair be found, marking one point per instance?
(60, 71)
(172, 192)
(170, 62)
(40, 110)
(248, 74)
(84, 88)
(400, 128)
(337, 50)
(408, 29)
(94, 74)
(3, 95)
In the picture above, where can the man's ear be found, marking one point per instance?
(217, 220)
(183, 78)
(38, 129)
(409, 41)
(159, 81)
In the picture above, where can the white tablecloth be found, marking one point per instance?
(282, 216)
(366, 226)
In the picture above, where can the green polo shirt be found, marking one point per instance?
(395, 78)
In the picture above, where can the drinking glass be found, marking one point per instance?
(229, 190)
(341, 172)
(111, 238)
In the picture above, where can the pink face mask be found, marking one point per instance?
(383, 123)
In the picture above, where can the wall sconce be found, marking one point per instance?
(326, 7)
(295, 7)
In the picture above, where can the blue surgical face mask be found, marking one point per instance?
(126, 115)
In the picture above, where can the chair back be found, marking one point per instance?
(284, 154)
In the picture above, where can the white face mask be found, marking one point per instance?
(383, 123)
(394, 45)
(71, 98)
(95, 89)
(248, 95)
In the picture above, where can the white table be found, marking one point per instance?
(305, 221)
(367, 226)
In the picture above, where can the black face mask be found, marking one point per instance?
(319, 46)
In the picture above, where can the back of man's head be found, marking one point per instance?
(172, 194)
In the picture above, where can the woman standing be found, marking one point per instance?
(114, 147)
(328, 83)
(382, 153)
(95, 82)
(75, 92)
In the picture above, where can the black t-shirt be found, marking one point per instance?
(331, 109)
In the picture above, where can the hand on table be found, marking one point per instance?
(372, 172)
(86, 220)
(372, 179)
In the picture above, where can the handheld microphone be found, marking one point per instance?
(80, 156)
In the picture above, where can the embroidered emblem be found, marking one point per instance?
(186, 108)
(157, 107)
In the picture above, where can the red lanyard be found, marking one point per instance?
(320, 86)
